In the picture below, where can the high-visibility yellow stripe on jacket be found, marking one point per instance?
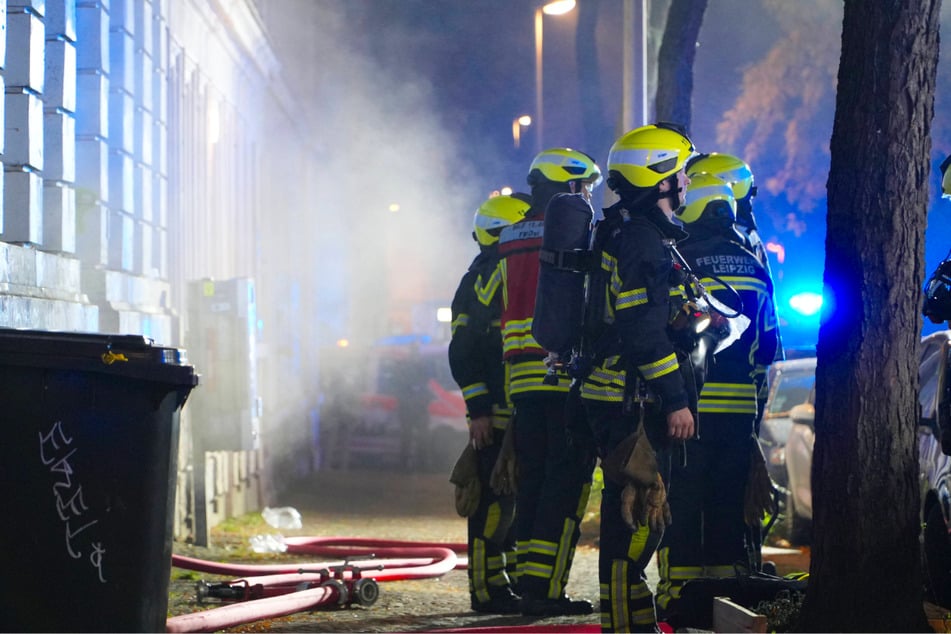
(728, 398)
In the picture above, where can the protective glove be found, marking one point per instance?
(646, 506)
(504, 477)
(758, 498)
(465, 475)
(632, 461)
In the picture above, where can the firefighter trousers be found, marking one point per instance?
(627, 603)
(491, 540)
(708, 537)
(555, 465)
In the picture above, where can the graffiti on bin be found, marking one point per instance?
(55, 452)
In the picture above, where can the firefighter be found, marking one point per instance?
(554, 474)
(937, 290)
(738, 174)
(475, 358)
(639, 395)
(708, 489)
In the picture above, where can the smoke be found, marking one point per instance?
(394, 192)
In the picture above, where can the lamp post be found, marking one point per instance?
(517, 124)
(557, 7)
(634, 67)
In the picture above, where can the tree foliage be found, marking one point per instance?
(786, 99)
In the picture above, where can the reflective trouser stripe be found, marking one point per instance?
(620, 611)
(478, 572)
(672, 578)
(563, 558)
(719, 572)
(485, 572)
(511, 565)
(626, 603)
(549, 560)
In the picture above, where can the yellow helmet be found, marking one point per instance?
(647, 155)
(494, 214)
(731, 169)
(709, 198)
(563, 165)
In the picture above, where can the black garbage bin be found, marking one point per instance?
(88, 451)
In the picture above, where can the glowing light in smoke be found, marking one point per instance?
(778, 249)
(394, 207)
(343, 343)
(517, 124)
(444, 314)
(559, 7)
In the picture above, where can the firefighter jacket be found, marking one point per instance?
(635, 290)
(719, 258)
(519, 247)
(475, 349)
(754, 243)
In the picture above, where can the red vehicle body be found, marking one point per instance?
(393, 404)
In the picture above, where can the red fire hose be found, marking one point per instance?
(276, 589)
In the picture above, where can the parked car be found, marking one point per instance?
(934, 467)
(790, 383)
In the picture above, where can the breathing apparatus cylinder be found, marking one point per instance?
(565, 260)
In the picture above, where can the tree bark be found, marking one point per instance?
(675, 61)
(866, 574)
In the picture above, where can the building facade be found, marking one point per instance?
(147, 146)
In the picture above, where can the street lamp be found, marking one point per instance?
(517, 124)
(557, 7)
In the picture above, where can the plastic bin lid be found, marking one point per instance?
(134, 356)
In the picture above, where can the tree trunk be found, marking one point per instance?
(865, 574)
(675, 61)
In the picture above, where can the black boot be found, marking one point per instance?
(563, 606)
(502, 602)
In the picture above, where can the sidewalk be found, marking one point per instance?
(378, 505)
(388, 505)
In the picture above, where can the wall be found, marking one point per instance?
(147, 145)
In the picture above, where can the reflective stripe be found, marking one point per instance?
(719, 572)
(461, 320)
(517, 335)
(740, 390)
(727, 407)
(604, 383)
(529, 376)
(659, 368)
(635, 547)
(563, 555)
(740, 283)
(474, 390)
(629, 299)
(620, 614)
(728, 398)
(477, 571)
(485, 292)
(492, 517)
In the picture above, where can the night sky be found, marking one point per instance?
(466, 68)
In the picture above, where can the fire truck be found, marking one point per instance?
(393, 404)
